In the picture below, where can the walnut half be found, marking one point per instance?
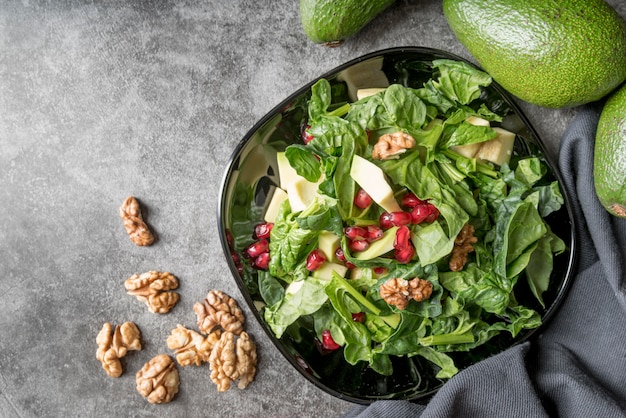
(219, 309)
(153, 288)
(136, 228)
(191, 347)
(158, 380)
(398, 292)
(390, 146)
(463, 245)
(113, 344)
(233, 360)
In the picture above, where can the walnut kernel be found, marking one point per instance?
(399, 292)
(390, 146)
(113, 344)
(232, 360)
(463, 245)
(219, 309)
(191, 347)
(137, 230)
(153, 288)
(158, 380)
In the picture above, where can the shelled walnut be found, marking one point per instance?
(399, 292)
(233, 360)
(113, 344)
(136, 228)
(219, 309)
(153, 288)
(390, 146)
(191, 347)
(463, 245)
(158, 380)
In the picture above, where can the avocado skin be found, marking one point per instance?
(609, 158)
(553, 54)
(330, 22)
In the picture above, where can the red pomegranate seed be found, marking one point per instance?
(425, 212)
(315, 259)
(229, 239)
(342, 257)
(235, 256)
(404, 255)
(379, 271)
(403, 238)
(358, 317)
(374, 233)
(400, 218)
(420, 213)
(362, 200)
(327, 341)
(358, 245)
(306, 136)
(385, 220)
(262, 262)
(409, 200)
(256, 248)
(355, 233)
(262, 230)
(434, 214)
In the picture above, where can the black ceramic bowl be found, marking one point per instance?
(252, 173)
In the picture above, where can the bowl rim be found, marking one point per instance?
(418, 50)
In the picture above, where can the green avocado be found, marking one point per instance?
(330, 22)
(609, 158)
(554, 54)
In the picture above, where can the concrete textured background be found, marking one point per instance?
(101, 100)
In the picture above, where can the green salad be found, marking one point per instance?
(404, 223)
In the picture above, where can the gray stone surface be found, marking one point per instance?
(101, 100)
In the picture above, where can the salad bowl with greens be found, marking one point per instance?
(395, 221)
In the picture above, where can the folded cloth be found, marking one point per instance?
(576, 366)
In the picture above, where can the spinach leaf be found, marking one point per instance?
(460, 81)
(304, 161)
(302, 297)
(270, 289)
(289, 245)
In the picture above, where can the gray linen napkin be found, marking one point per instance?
(576, 367)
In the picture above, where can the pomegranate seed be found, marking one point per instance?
(355, 233)
(379, 271)
(420, 213)
(404, 255)
(374, 233)
(315, 259)
(342, 257)
(434, 214)
(235, 256)
(306, 136)
(403, 237)
(262, 230)
(358, 245)
(229, 239)
(327, 341)
(262, 262)
(256, 248)
(409, 200)
(425, 212)
(358, 317)
(385, 220)
(362, 200)
(400, 218)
